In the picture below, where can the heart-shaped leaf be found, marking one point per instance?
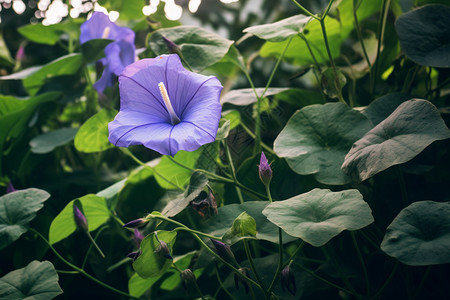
(319, 215)
(413, 126)
(63, 225)
(152, 262)
(47, 142)
(420, 234)
(316, 139)
(200, 48)
(219, 224)
(37, 281)
(423, 35)
(93, 134)
(17, 209)
(281, 30)
(382, 107)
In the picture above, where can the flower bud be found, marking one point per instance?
(80, 219)
(238, 279)
(288, 280)
(10, 188)
(136, 223)
(265, 172)
(187, 279)
(134, 255)
(163, 248)
(137, 237)
(224, 251)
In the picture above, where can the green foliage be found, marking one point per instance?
(46, 142)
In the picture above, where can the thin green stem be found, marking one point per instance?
(305, 11)
(194, 231)
(91, 245)
(359, 33)
(386, 283)
(253, 136)
(95, 245)
(67, 272)
(233, 171)
(295, 253)
(327, 10)
(363, 265)
(280, 260)
(81, 270)
(222, 285)
(422, 282)
(130, 154)
(324, 280)
(252, 267)
(269, 195)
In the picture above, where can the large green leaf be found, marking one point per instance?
(281, 30)
(93, 134)
(319, 215)
(423, 35)
(151, 262)
(51, 34)
(420, 234)
(337, 32)
(200, 48)
(46, 142)
(37, 281)
(172, 172)
(137, 285)
(65, 65)
(219, 224)
(413, 126)
(17, 209)
(316, 139)
(382, 107)
(95, 210)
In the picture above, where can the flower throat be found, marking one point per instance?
(173, 116)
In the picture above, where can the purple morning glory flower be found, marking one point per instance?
(119, 53)
(165, 107)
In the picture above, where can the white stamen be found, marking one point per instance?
(106, 32)
(173, 116)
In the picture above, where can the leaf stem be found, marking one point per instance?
(363, 265)
(305, 11)
(81, 270)
(252, 266)
(233, 171)
(388, 280)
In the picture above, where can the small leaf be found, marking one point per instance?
(413, 126)
(316, 139)
(17, 209)
(63, 225)
(281, 30)
(93, 134)
(244, 226)
(46, 142)
(42, 34)
(330, 85)
(37, 281)
(420, 234)
(423, 35)
(319, 215)
(151, 263)
(224, 130)
(199, 47)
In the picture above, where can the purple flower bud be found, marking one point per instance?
(10, 188)
(288, 280)
(173, 48)
(134, 255)
(224, 251)
(187, 279)
(136, 223)
(163, 248)
(265, 172)
(238, 279)
(137, 237)
(20, 54)
(80, 219)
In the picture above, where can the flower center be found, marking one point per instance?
(106, 32)
(173, 116)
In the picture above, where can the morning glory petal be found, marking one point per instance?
(99, 26)
(119, 55)
(194, 98)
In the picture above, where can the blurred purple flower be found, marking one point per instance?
(80, 219)
(119, 53)
(165, 107)
(265, 172)
(10, 188)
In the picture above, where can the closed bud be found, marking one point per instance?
(137, 237)
(10, 188)
(163, 248)
(134, 255)
(265, 172)
(80, 219)
(224, 251)
(187, 279)
(288, 280)
(238, 279)
(136, 223)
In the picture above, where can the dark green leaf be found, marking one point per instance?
(316, 139)
(382, 107)
(37, 281)
(93, 134)
(42, 34)
(93, 50)
(46, 142)
(151, 263)
(281, 30)
(420, 234)
(319, 215)
(17, 209)
(413, 126)
(63, 225)
(219, 224)
(423, 35)
(199, 47)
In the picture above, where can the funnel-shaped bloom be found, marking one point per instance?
(119, 53)
(165, 107)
